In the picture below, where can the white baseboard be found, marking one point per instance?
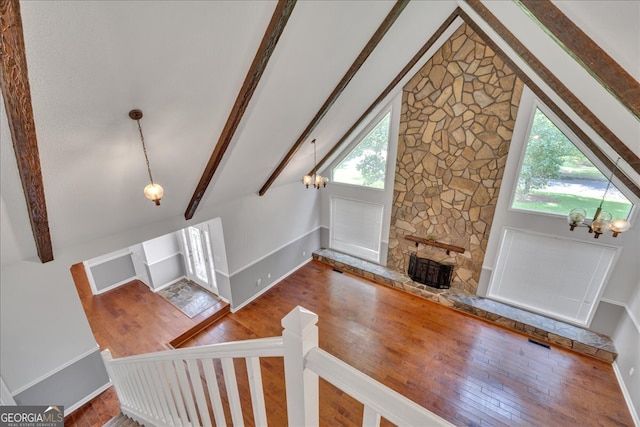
(627, 396)
(275, 282)
(86, 399)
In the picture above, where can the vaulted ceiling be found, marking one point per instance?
(184, 64)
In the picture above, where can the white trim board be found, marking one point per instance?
(169, 283)
(107, 257)
(273, 252)
(625, 393)
(635, 321)
(275, 282)
(173, 255)
(86, 399)
(115, 285)
(56, 370)
(6, 398)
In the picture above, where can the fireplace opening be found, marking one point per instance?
(429, 272)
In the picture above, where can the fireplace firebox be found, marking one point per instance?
(429, 272)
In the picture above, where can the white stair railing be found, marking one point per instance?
(181, 387)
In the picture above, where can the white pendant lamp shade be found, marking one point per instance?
(154, 192)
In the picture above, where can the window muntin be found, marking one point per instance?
(555, 176)
(366, 164)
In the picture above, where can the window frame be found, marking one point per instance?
(357, 138)
(534, 104)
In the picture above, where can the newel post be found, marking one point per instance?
(299, 336)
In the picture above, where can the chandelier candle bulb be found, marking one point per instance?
(618, 226)
(576, 217)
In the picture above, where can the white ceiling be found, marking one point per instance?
(183, 63)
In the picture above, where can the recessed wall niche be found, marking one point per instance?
(458, 114)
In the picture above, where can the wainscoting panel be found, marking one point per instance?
(112, 272)
(558, 277)
(69, 386)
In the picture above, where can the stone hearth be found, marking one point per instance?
(538, 327)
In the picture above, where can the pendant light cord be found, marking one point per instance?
(144, 149)
(609, 183)
(315, 164)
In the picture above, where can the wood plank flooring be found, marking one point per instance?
(470, 372)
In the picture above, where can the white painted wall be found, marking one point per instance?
(161, 247)
(254, 226)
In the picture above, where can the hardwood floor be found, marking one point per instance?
(470, 372)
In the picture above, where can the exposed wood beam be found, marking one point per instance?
(390, 19)
(561, 90)
(535, 64)
(585, 51)
(279, 19)
(14, 82)
(423, 50)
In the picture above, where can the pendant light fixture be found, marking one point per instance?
(601, 220)
(316, 179)
(152, 191)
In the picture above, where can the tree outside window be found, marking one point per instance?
(556, 176)
(366, 164)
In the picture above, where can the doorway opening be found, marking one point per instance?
(199, 260)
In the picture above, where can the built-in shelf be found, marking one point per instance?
(433, 243)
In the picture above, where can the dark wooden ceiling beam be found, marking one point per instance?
(14, 82)
(423, 50)
(561, 90)
(279, 19)
(389, 20)
(615, 79)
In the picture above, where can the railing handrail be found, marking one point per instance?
(260, 347)
(181, 387)
(384, 401)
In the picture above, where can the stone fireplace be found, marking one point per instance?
(429, 272)
(456, 123)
